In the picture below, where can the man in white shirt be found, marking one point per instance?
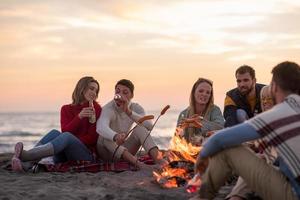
(116, 119)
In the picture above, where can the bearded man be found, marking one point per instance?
(242, 102)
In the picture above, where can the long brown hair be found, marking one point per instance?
(81, 87)
(210, 103)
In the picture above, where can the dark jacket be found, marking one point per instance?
(241, 103)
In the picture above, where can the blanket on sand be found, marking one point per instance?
(88, 166)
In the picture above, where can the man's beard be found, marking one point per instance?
(246, 92)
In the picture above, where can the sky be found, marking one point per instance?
(162, 46)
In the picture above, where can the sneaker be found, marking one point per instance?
(16, 163)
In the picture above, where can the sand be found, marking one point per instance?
(101, 185)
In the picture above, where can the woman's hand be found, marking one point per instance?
(86, 112)
(179, 131)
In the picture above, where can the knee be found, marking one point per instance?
(140, 132)
(54, 131)
(68, 137)
(228, 154)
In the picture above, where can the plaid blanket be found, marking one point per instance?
(89, 166)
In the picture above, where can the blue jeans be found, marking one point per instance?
(66, 147)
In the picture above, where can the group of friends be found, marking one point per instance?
(268, 115)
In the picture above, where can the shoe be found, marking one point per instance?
(16, 163)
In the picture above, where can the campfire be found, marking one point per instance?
(182, 156)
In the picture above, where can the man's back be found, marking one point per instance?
(280, 128)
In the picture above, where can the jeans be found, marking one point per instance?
(66, 147)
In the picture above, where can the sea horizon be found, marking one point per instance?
(29, 127)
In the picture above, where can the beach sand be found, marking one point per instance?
(101, 185)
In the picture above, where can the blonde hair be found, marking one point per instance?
(81, 87)
(265, 97)
(193, 101)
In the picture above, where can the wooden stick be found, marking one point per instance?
(139, 122)
(164, 110)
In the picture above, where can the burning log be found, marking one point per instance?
(188, 166)
(175, 174)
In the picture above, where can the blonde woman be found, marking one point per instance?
(202, 103)
(77, 139)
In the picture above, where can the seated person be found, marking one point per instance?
(78, 138)
(244, 100)
(202, 104)
(115, 121)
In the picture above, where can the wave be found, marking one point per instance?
(18, 133)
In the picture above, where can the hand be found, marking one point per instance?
(86, 112)
(120, 138)
(125, 108)
(190, 122)
(179, 131)
(122, 103)
(201, 165)
(182, 124)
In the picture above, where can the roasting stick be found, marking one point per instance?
(138, 123)
(164, 110)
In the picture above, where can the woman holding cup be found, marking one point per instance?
(77, 139)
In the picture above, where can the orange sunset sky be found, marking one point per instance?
(162, 46)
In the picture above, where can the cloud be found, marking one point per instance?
(116, 28)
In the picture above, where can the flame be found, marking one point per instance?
(186, 150)
(180, 150)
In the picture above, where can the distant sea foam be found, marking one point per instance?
(30, 127)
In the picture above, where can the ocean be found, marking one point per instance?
(30, 127)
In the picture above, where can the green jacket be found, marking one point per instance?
(213, 121)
